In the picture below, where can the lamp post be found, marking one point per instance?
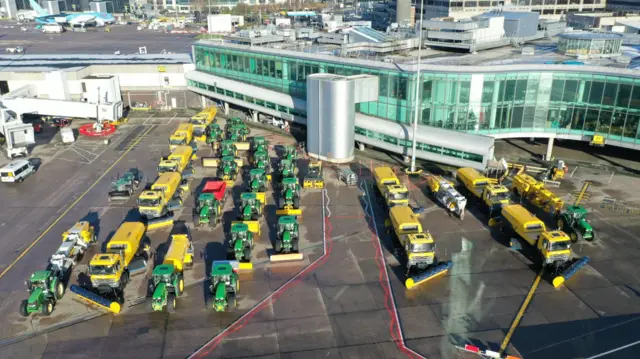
(417, 100)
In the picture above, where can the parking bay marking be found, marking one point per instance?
(72, 205)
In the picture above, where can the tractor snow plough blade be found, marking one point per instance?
(119, 196)
(286, 257)
(92, 298)
(242, 146)
(160, 222)
(245, 265)
(433, 272)
(569, 272)
(210, 162)
(230, 183)
(254, 226)
(234, 264)
(289, 212)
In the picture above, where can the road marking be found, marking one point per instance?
(24, 252)
(174, 116)
(145, 121)
(523, 308)
(614, 350)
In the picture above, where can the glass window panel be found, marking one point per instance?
(610, 91)
(402, 88)
(570, 91)
(624, 95)
(510, 90)
(635, 97)
(384, 85)
(426, 90)
(617, 123)
(521, 90)
(465, 88)
(595, 95)
(578, 119)
(556, 90)
(631, 126)
(487, 92)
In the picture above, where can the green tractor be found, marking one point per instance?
(258, 180)
(125, 186)
(288, 235)
(573, 221)
(232, 122)
(289, 194)
(167, 284)
(287, 168)
(259, 144)
(261, 160)
(45, 288)
(290, 153)
(208, 209)
(240, 242)
(228, 148)
(228, 168)
(224, 287)
(238, 133)
(251, 207)
(214, 133)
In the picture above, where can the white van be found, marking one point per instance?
(17, 171)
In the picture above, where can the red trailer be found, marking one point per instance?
(218, 188)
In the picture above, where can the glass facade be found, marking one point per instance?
(590, 47)
(577, 103)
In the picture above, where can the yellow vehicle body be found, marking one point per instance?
(179, 159)
(286, 257)
(180, 252)
(83, 229)
(121, 249)
(162, 191)
(472, 180)
(215, 162)
(496, 195)
(434, 183)
(317, 183)
(384, 177)
(253, 226)
(414, 240)
(404, 221)
(290, 212)
(529, 187)
(598, 141)
(242, 146)
(524, 184)
(181, 136)
(525, 224)
(262, 198)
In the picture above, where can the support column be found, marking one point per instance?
(203, 100)
(549, 149)
(226, 108)
(254, 116)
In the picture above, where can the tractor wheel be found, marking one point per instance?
(247, 254)
(235, 303)
(23, 308)
(278, 245)
(296, 202)
(180, 288)
(171, 304)
(593, 237)
(59, 290)
(294, 245)
(47, 307)
(575, 236)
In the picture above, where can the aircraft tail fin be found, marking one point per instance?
(35, 6)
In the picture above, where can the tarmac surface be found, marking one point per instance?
(345, 300)
(123, 38)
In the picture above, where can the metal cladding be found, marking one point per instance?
(331, 112)
(403, 11)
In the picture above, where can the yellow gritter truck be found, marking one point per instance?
(476, 186)
(182, 136)
(157, 203)
(200, 122)
(178, 161)
(389, 187)
(534, 191)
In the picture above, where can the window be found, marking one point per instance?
(84, 86)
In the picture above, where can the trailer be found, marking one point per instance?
(445, 193)
(18, 135)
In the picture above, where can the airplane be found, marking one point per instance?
(100, 18)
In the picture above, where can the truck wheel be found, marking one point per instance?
(278, 245)
(47, 307)
(294, 245)
(59, 290)
(23, 308)
(593, 237)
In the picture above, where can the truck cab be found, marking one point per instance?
(419, 246)
(177, 161)
(153, 202)
(523, 184)
(496, 196)
(393, 192)
(202, 120)
(182, 136)
(107, 271)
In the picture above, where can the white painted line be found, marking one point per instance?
(145, 121)
(174, 116)
(386, 273)
(614, 350)
(80, 154)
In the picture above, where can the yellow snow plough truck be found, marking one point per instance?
(157, 203)
(553, 248)
(201, 121)
(314, 179)
(392, 192)
(178, 161)
(477, 187)
(110, 271)
(418, 247)
(532, 190)
(168, 278)
(182, 136)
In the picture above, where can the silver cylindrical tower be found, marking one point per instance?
(403, 11)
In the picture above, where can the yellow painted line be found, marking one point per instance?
(523, 308)
(24, 252)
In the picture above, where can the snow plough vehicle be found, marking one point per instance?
(314, 179)
(287, 240)
(573, 220)
(224, 285)
(124, 187)
(392, 192)
(240, 243)
(44, 288)
(289, 199)
(157, 203)
(444, 192)
(210, 203)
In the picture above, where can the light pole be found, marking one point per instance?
(412, 170)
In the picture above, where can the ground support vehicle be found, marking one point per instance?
(168, 278)
(224, 285)
(228, 170)
(17, 171)
(573, 220)
(476, 187)
(529, 188)
(258, 181)
(554, 172)
(287, 168)
(208, 162)
(418, 247)
(182, 136)
(553, 248)
(445, 193)
(201, 121)
(214, 134)
(75, 242)
(240, 244)
(260, 159)
(290, 153)
(252, 209)
(348, 177)
(232, 122)
(45, 288)
(228, 148)
(124, 187)
(178, 161)
(392, 192)
(314, 176)
(258, 144)
(286, 248)
(164, 196)
(110, 271)
(210, 203)
(238, 134)
(289, 199)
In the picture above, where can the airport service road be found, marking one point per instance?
(123, 38)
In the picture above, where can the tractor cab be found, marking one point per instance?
(228, 148)
(290, 153)
(288, 224)
(287, 168)
(240, 231)
(232, 122)
(228, 165)
(44, 289)
(258, 180)
(259, 144)
(204, 200)
(224, 286)
(214, 133)
(261, 160)
(251, 206)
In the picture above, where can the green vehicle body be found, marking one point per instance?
(240, 242)
(258, 180)
(45, 288)
(290, 193)
(288, 235)
(126, 184)
(573, 221)
(251, 207)
(237, 133)
(228, 148)
(287, 168)
(214, 133)
(232, 122)
(259, 144)
(209, 209)
(261, 160)
(166, 285)
(290, 153)
(224, 287)
(228, 168)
